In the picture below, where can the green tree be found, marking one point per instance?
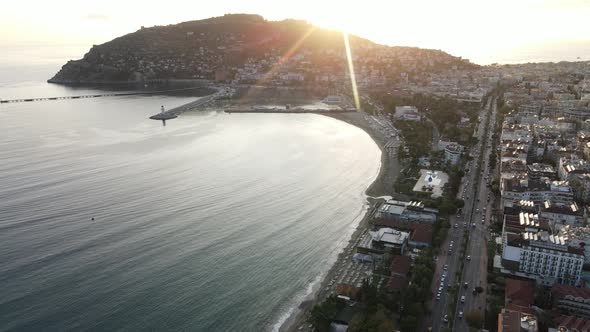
(409, 323)
(474, 318)
(323, 313)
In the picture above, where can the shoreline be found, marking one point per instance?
(382, 185)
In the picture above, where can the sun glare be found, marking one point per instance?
(355, 93)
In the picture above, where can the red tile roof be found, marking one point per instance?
(559, 291)
(520, 292)
(400, 265)
(519, 308)
(347, 290)
(397, 282)
(422, 233)
(574, 323)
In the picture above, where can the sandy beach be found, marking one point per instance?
(382, 186)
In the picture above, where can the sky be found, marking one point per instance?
(480, 30)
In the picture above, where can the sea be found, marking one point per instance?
(110, 221)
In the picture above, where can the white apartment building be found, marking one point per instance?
(538, 191)
(453, 153)
(529, 250)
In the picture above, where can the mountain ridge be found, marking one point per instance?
(223, 48)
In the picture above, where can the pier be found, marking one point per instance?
(174, 112)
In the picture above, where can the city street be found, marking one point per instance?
(475, 194)
(475, 270)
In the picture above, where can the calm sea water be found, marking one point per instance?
(215, 222)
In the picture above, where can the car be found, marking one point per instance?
(446, 318)
(438, 296)
(474, 292)
(444, 275)
(446, 267)
(464, 224)
(440, 289)
(465, 285)
(472, 224)
(468, 257)
(456, 225)
(462, 298)
(460, 314)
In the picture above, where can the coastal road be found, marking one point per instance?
(472, 190)
(475, 269)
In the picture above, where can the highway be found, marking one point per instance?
(475, 194)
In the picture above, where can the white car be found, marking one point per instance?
(468, 258)
(446, 267)
(463, 299)
(460, 314)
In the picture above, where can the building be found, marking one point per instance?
(412, 211)
(572, 324)
(384, 240)
(517, 319)
(442, 144)
(537, 171)
(537, 191)
(420, 233)
(408, 113)
(519, 292)
(560, 214)
(571, 300)
(578, 237)
(453, 153)
(530, 250)
(513, 169)
(570, 166)
(333, 100)
(399, 270)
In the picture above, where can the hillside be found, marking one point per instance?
(247, 48)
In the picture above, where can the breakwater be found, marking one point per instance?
(109, 94)
(288, 111)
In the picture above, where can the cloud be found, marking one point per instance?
(96, 17)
